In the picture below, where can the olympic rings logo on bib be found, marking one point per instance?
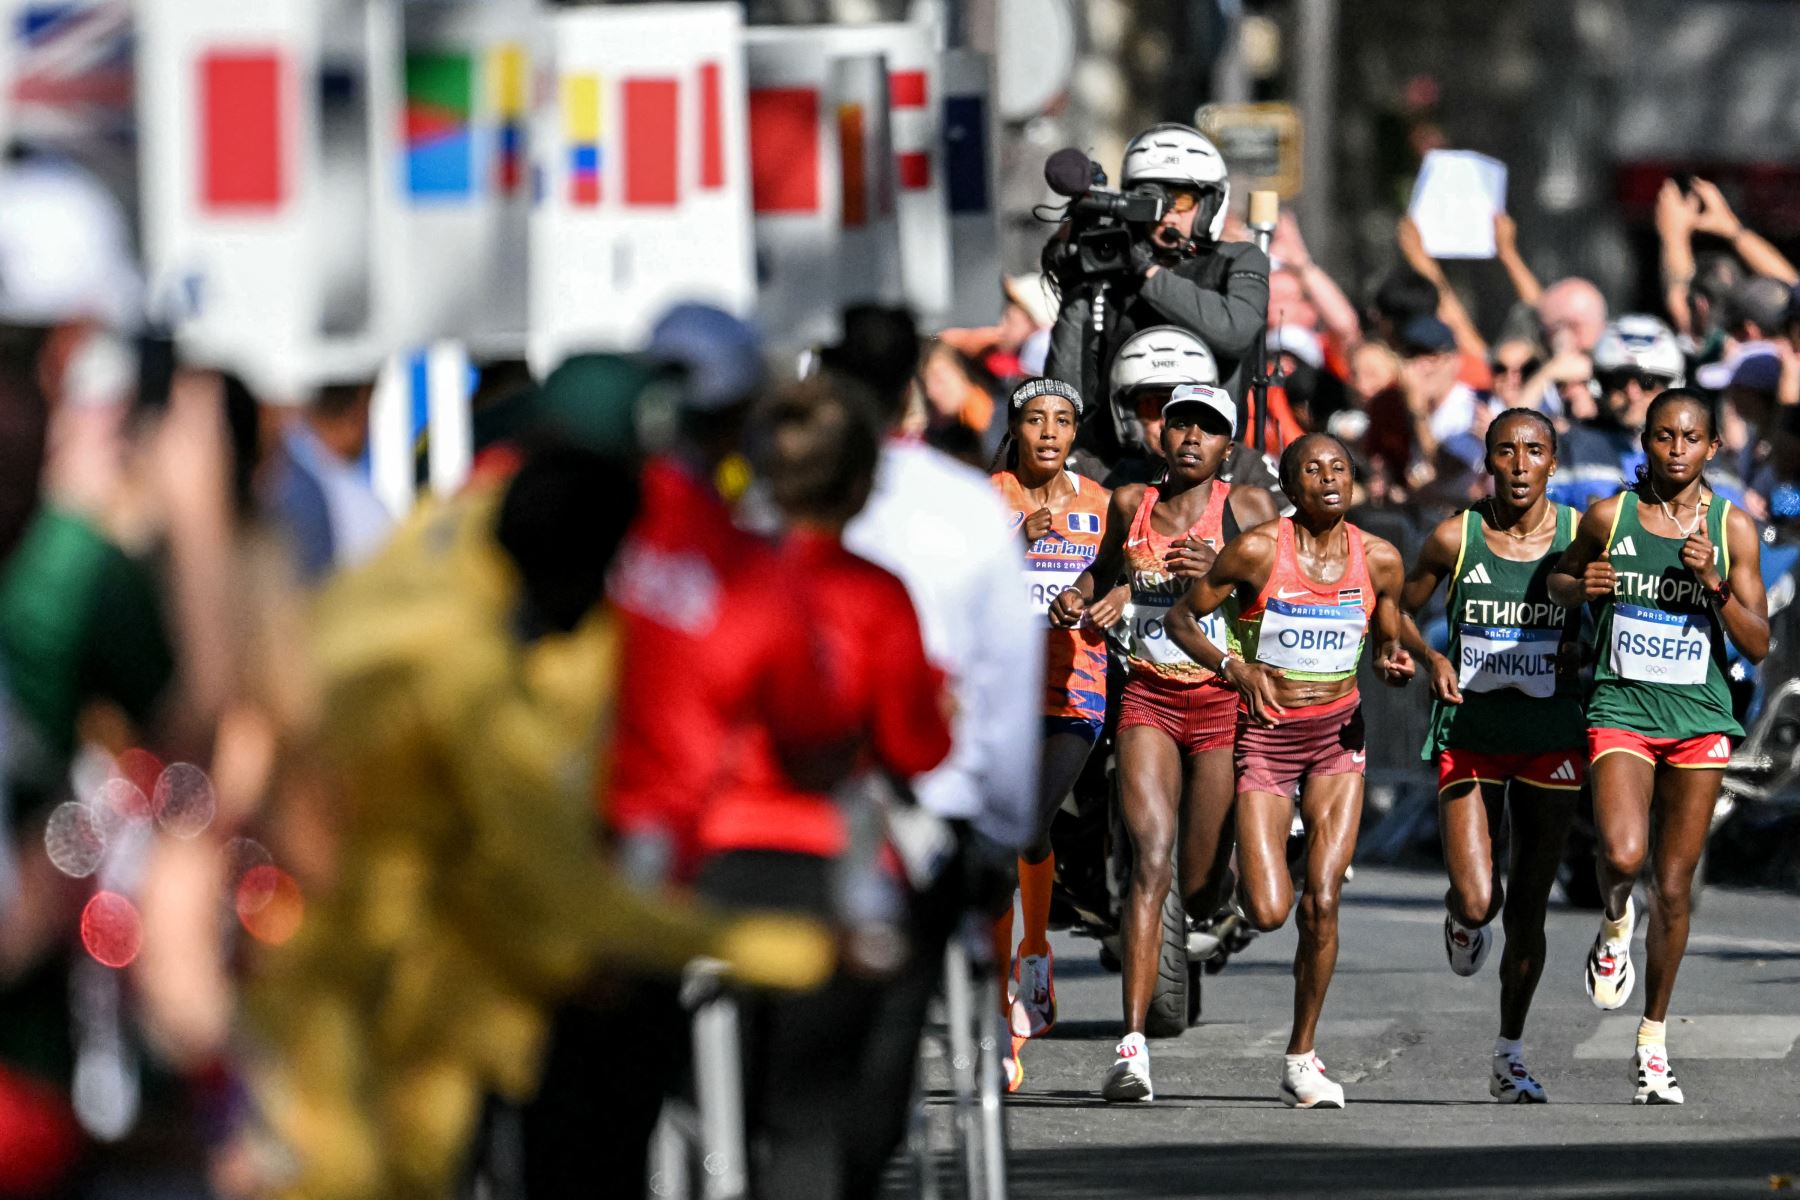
(1320, 639)
(1653, 646)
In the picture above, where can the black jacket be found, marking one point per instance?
(1221, 295)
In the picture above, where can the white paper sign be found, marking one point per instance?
(643, 174)
(1455, 199)
(463, 177)
(796, 188)
(258, 124)
(869, 255)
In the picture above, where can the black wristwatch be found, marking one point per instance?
(1720, 594)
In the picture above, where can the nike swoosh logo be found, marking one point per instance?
(1284, 594)
(1359, 756)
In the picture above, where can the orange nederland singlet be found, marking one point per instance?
(1312, 631)
(1154, 590)
(1075, 662)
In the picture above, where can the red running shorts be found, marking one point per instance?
(1195, 716)
(1706, 751)
(1325, 739)
(1557, 770)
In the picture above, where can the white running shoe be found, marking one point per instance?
(1467, 948)
(1303, 1085)
(1511, 1083)
(1610, 975)
(1033, 1009)
(1129, 1078)
(1655, 1077)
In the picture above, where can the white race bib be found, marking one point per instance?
(1494, 659)
(1148, 615)
(1045, 582)
(1652, 646)
(1320, 639)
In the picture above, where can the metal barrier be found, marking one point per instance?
(973, 1039)
(707, 1131)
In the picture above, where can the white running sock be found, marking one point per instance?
(1509, 1047)
(1651, 1033)
(1298, 1060)
(1615, 931)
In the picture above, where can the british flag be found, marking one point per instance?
(72, 70)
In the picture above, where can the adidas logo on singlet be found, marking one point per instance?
(1564, 773)
(1624, 547)
(1478, 575)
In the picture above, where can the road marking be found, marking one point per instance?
(1240, 1040)
(1721, 1036)
(1724, 941)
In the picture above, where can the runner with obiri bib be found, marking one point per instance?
(1507, 730)
(1672, 571)
(1310, 587)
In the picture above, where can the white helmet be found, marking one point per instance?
(1640, 343)
(1181, 155)
(1161, 356)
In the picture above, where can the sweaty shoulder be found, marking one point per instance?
(1445, 540)
(1600, 514)
(1378, 550)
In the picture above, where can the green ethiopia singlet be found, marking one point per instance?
(1661, 651)
(1505, 638)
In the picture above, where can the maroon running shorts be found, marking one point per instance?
(1196, 716)
(1325, 739)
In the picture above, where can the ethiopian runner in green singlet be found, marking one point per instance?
(1672, 572)
(1506, 723)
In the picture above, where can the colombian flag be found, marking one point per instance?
(510, 106)
(440, 143)
(581, 129)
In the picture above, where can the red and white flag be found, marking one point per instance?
(230, 165)
(643, 176)
(869, 257)
(794, 183)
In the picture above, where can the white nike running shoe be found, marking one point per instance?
(1129, 1078)
(1655, 1077)
(1511, 1083)
(1610, 975)
(1033, 1009)
(1304, 1085)
(1467, 948)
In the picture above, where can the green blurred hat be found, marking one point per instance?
(598, 401)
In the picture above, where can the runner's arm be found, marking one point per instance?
(1745, 611)
(1109, 559)
(1436, 560)
(1387, 572)
(1244, 562)
(1583, 573)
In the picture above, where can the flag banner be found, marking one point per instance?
(69, 80)
(462, 250)
(229, 182)
(440, 137)
(241, 94)
(970, 188)
(794, 184)
(642, 152)
(915, 103)
(868, 253)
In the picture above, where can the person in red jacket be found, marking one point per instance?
(779, 832)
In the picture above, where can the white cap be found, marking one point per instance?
(1300, 342)
(65, 250)
(1215, 398)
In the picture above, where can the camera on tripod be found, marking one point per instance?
(1100, 237)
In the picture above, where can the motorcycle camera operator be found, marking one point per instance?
(1148, 255)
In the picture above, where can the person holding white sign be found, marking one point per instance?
(1507, 725)
(1174, 713)
(1673, 570)
(1310, 586)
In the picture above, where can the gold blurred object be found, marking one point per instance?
(1265, 209)
(469, 896)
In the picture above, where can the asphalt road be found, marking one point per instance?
(1410, 1043)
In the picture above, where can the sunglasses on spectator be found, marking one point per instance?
(1615, 381)
(1178, 199)
(1149, 404)
(1523, 370)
